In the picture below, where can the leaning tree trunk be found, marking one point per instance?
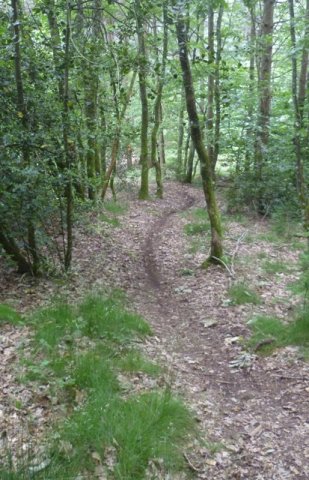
(216, 251)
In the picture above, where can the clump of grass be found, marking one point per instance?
(114, 222)
(301, 286)
(9, 315)
(115, 208)
(240, 294)
(142, 427)
(275, 266)
(104, 317)
(281, 334)
(95, 316)
(196, 228)
(80, 351)
(187, 272)
(200, 224)
(133, 361)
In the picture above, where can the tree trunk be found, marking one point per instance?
(116, 140)
(142, 76)
(216, 251)
(69, 147)
(262, 133)
(251, 88)
(217, 88)
(31, 247)
(299, 90)
(155, 159)
(181, 131)
(190, 162)
(211, 86)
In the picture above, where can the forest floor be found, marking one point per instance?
(252, 410)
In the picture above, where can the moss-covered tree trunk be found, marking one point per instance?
(216, 251)
(142, 77)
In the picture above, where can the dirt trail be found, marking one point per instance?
(254, 418)
(259, 412)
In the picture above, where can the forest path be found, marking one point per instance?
(257, 416)
(254, 419)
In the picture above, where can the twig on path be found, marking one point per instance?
(266, 341)
(191, 466)
(224, 264)
(242, 236)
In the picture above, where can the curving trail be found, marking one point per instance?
(257, 415)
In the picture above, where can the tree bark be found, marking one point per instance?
(299, 93)
(217, 88)
(216, 251)
(262, 133)
(68, 144)
(181, 131)
(21, 105)
(142, 76)
(211, 86)
(155, 160)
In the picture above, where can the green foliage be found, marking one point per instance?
(133, 361)
(96, 316)
(141, 428)
(301, 286)
(240, 294)
(275, 266)
(115, 208)
(200, 225)
(295, 332)
(196, 228)
(104, 317)
(9, 315)
(80, 351)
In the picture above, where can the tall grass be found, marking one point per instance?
(80, 351)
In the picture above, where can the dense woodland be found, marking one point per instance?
(93, 88)
(154, 226)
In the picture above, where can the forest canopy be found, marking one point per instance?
(94, 89)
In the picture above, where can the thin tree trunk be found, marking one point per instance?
(24, 116)
(158, 107)
(262, 133)
(216, 251)
(181, 130)
(68, 147)
(190, 161)
(217, 88)
(116, 140)
(252, 66)
(299, 89)
(211, 86)
(142, 76)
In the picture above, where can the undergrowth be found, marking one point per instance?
(86, 354)
(200, 223)
(270, 332)
(240, 294)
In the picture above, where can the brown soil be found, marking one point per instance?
(254, 417)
